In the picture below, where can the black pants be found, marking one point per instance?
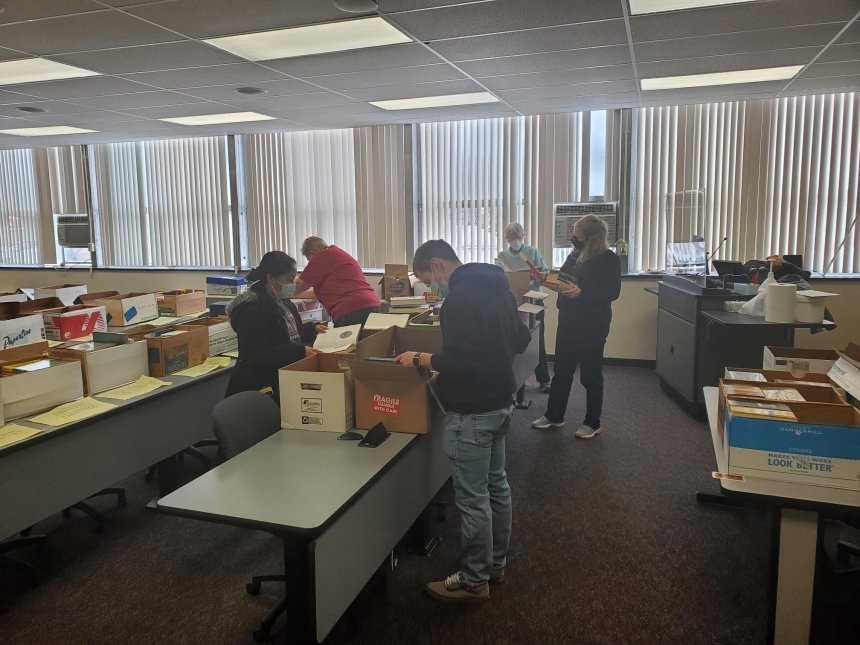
(574, 349)
(358, 317)
(541, 371)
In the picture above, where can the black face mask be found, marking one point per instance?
(577, 244)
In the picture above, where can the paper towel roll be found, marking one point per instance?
(779, 306)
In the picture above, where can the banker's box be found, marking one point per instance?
(396, 395)
(22, 331)
(821, 448)
(222, 338)
(225, 285)
(798, 359)
(172, 350)
(66, 293)
(316, 394)
(128, 308)
(107, 367)
(30, 393)
(396, 282)
(181, 302)
(64, 323)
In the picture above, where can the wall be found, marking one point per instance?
(633, 334)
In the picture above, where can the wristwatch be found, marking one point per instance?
(416, 359)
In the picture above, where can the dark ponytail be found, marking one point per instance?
(272, 263)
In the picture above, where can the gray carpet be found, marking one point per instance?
(609, 546)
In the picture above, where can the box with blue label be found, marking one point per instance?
(128, 308)
(171, 350)
(225, 285)
(801, 442)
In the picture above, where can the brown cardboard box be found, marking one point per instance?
(181, 302)
(128, 308)
(519, 282)
(317, 394)
(222, 338)
(105, 368)
(396, 281)
(171, 350)
(396, 340)
(121, 335)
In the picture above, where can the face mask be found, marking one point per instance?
(286, 291)
(578, 244)
(516, 245)
(439, 287)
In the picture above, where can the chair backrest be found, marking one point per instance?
(241, 420)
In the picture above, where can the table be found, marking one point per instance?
(795, 541)
(62, 466)
(339, 510)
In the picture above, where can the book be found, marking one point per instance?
(732, 389)
(750, 409)
(745, 376)
(31, 365)
(784, 394)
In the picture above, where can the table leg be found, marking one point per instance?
(798, 541)
(168, 476)
(301, 594)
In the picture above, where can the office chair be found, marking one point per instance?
(239, 422)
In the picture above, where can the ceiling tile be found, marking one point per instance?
(14, 97)
(239, 73)
(391, 6)
(50, 107)
(283, 87)
(381, 78)
(272, 103)
(728, 63)
(571, 91)
(573, 59)
(746, 41)
(357, 60)
(99, 30)
(10, 54)
(832, 83)
(414, 91)
(149, 58)
(226, 17)
(740, 17)
(578, 101)
(92, 119)
(561, 77)
(501, 16)
(137, 100)
(820, 70)
(23, 10)
(329, 111)
(852, 34)
(607, 32)
(75, 88)
(836, 53)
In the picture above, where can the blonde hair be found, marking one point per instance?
(596, 237)
(312, 244)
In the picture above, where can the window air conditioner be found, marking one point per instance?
(565, 217)
(73, 231)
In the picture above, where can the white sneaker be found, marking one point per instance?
(543, 423)
(586, 432)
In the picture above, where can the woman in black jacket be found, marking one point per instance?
(584, 314)
(270, 331)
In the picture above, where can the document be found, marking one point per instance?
(339, 339)
(384, 321)
(209, 365)
(74, 411)
(535, 295)
(143, 385)
(233, 353)
(12, 433)
(529, 308)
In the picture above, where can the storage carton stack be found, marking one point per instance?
(32, 382)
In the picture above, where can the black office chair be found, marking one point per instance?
(239, 422)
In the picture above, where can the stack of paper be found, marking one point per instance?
(338, 339)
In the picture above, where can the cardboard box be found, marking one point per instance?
(128, 308)
(519, 283)
(317, 394)
(396, 340)
(107, 367)
(182, 302)
(22, 331)
(218, 308)
(772, 376)
(67, 323)
(171, 350)
(222, 338)
(396, 281)
(225, 285)
(124, 335)
(845, 372)
(13, 297)
(67, 293)
(787, 358)
(30, 393)
(310, 310)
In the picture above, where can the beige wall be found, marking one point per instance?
(634, 319)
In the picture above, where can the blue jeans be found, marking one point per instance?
(475, 445)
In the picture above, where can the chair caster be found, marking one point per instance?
(262, 636)
(253, 589)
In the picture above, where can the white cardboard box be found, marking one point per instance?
(64, 292)
(24, 395)
(13, 297)
(785, 358)
(317, 394)
(109, 367)
(129, 309)
(22, 331)
(80, 322)
(222, 338)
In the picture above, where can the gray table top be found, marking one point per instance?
(295, 480)
(733, 318)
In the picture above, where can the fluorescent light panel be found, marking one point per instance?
(721, 78)
(215, 119)
(639, 7)
(312, 39)
(33, 70)
(445, 100)
(46, 131)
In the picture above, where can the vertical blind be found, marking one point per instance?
(771, 177)
(20, 230)
(162, 203)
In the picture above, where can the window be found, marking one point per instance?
(20, 226)
(162, 203)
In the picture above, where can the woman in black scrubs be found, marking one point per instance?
(584, 315)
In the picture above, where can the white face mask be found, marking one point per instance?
(286, 291)
(516, 245)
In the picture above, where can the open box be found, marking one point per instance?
(181, 302)
(23, 330)
(171, 350)
(64, 323)
(798, 359)
(316, 394)
(28, 393)
(127, 308)
(845, 372)
(66, 293)
(105, 368)
(222, 338)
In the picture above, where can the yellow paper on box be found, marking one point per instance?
(12, 433)
(54, 343)
(234, 353)
(74, 411)
(209, 365)
(143, 385)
